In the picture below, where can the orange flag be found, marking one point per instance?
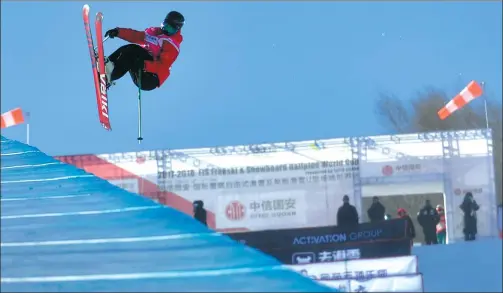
(469, 93)
(11, 118)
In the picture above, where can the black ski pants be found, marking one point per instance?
(430, 236)
(130, 58)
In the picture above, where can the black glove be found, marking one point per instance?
(112, 33)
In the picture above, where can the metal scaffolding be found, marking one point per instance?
(164, 164)
(372, 144)
(450, 150)
(194, 158)
(358, 154)
(490, 171)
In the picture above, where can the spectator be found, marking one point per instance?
(469, 208)
(428, 219)
(441, 226)
(411, 231)
(199, 211)
(500, 219)
(347, 216)
(376, 211)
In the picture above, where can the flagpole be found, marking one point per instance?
(27, 128)
(485, 103)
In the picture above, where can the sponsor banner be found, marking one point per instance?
(339, 252)
(470, 176)
(262, 210)
(269, 239)
(413, 283)
(257, 197)
(359, 269)
(404, 167)
(267, 177)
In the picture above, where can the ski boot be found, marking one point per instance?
(109, 68)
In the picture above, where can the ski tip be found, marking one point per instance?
(86, 8)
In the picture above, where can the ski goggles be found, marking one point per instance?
(170, 29)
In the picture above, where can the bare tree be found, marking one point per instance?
(419, 114)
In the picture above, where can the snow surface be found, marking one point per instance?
(66, 230)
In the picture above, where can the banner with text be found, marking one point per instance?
(412, 283)
(262, 210)
(404, 167)
(340, 252)
(260, 196)
(360, 269)
(269, 239)
(471, 176)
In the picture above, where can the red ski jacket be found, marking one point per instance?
(163, 48)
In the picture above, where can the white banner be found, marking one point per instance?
(404, 167)
(265, 210)
(470, 175)
(275, 197)
(359, 269)
(411, 283)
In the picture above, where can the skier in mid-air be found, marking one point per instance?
(152, 51)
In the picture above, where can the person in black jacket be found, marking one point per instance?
(428, 218)
(411, 231)
(500, 219)
(199, 211)
(376, 211)
(469, 208)
(347, 215)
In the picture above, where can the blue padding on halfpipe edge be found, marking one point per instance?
(66, 230)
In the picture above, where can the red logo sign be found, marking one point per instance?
(387, 170)
(235, 211)
(459, 191)
(140, 159)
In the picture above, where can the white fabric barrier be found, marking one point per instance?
(360, 269)
(411, 283)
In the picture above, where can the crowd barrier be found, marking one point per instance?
(360, 269)
(397, 274)
(411, 283)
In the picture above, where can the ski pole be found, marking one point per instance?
(139, 106)
(104, 40)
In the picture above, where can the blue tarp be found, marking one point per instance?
(66, 230)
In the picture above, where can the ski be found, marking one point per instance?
(98, 24)
(100, 89)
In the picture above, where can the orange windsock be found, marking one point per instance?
(11, 118)
(469, 93)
